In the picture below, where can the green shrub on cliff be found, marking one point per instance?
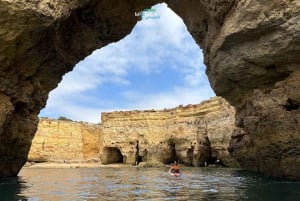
(64, 118)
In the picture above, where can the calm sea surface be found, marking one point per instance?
(145, 184)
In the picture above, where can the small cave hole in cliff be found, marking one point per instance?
(172, 151)
(111, 155)
(213, 161)
(291, 105)
(190, 156)
(157, 66)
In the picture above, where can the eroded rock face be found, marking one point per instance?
(251, 50)
(65, 141)
(192, 134)
(39, 42)
(254, 63)
(268, 138)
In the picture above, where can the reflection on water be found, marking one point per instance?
(145, 184)
(11, 189)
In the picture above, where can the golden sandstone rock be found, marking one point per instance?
(192, 134)
(65, 141)
(251, 50)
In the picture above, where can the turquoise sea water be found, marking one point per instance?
(131, 183)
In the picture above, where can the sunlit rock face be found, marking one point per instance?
(65, 141)
(251, 50)
(191, 134)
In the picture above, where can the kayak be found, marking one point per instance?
(174, 174)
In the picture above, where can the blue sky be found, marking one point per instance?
(158, 65)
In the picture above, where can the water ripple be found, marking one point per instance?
(145, 184)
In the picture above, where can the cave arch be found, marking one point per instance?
(135, 73)
(111, 155)
(248, 49)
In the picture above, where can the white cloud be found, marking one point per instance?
(154, 46)
(178, 96)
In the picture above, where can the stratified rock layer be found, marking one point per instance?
(192, 134)
(251, 49)
(65, 141)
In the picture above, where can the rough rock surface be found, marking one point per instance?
(251, 50)
(65, 141)
(254, 63)
(41, 40)
(191, 134)
(269, 126)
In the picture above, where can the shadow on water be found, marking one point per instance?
(11, 188)
(259, 187)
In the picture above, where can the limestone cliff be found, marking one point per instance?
(65, 141)
(254, 63)
(191, 134)
(251, 50)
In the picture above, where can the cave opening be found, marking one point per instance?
(172, 152)
(214, 161)
(190, 156)
(147, 69)
(138, 157)
(111, 155)
(291, 104)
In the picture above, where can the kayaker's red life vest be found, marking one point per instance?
(175, 169)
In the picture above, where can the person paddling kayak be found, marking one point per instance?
(174, 170)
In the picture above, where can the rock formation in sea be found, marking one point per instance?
(192, 134)
(251, 50)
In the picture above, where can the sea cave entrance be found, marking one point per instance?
(147, 69)
(158, 65)
(111, 155)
